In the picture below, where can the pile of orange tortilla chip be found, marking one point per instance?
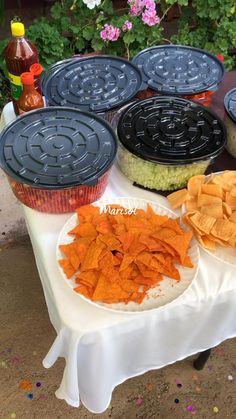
(210, 208)
(118, 258)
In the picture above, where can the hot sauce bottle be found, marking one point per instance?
(20, 54)
(30, 98)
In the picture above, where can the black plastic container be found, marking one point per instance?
(99, 84)
(230, 121)
(178, 70)
(166, 140)
(57, 159)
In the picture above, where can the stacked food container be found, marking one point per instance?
(163, 141)
(177, 70)
(59, 157)
(99, 84)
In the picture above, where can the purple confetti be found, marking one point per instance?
(190, 408)
(38, 384)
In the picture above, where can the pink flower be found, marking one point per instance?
(150, 18)
(136, 7)
(127, 26)
(110, 33)
(150, 4)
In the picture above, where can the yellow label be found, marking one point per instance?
(16, 86)
(15, 79)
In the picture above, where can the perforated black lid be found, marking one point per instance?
(230, 103)
(93, 84)
(171, 130)
(57, 148)
(180, 70)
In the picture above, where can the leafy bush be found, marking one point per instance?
(85, 26)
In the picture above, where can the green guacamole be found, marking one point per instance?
(157, 176)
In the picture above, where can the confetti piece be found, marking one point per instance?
(230, 377)
(34, 353)
(215, 409)
(38, 384)
(25, 385)
(16, 360)
(190, 408)
(178, 383)
(177, 401)
(234, 366)
(110, 406)
(13, 415)
(139, 402)
(198, 389)
(8, 350)
(43, 397)
(195, 377)
(30, 396)
(3, 364)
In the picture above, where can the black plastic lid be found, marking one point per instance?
(93, 83)
(53, 68)
(57, 148)
(179, 70)
(170, 130)
(230, 103)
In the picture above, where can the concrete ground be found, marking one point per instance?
(26, 336)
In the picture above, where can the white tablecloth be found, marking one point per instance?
(102, 349)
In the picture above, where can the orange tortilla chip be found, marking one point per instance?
(92, 256)
(118, 258)
(178, 198)
(68, 269)
(180, 244)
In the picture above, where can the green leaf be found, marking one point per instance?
(88, 32)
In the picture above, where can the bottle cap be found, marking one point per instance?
(36, 69)
(17, 29)
(27, 78)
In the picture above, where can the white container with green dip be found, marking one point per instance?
(230, 121)
(163, 141)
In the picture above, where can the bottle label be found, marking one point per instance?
(16, 86)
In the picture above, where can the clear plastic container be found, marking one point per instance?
(57, 159)
(164, 141)
(58, 201)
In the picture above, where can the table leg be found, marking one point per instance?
(201, 360)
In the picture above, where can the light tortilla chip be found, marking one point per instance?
(194, 184)
(215, 211)
(178, 198)
(223, 229)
